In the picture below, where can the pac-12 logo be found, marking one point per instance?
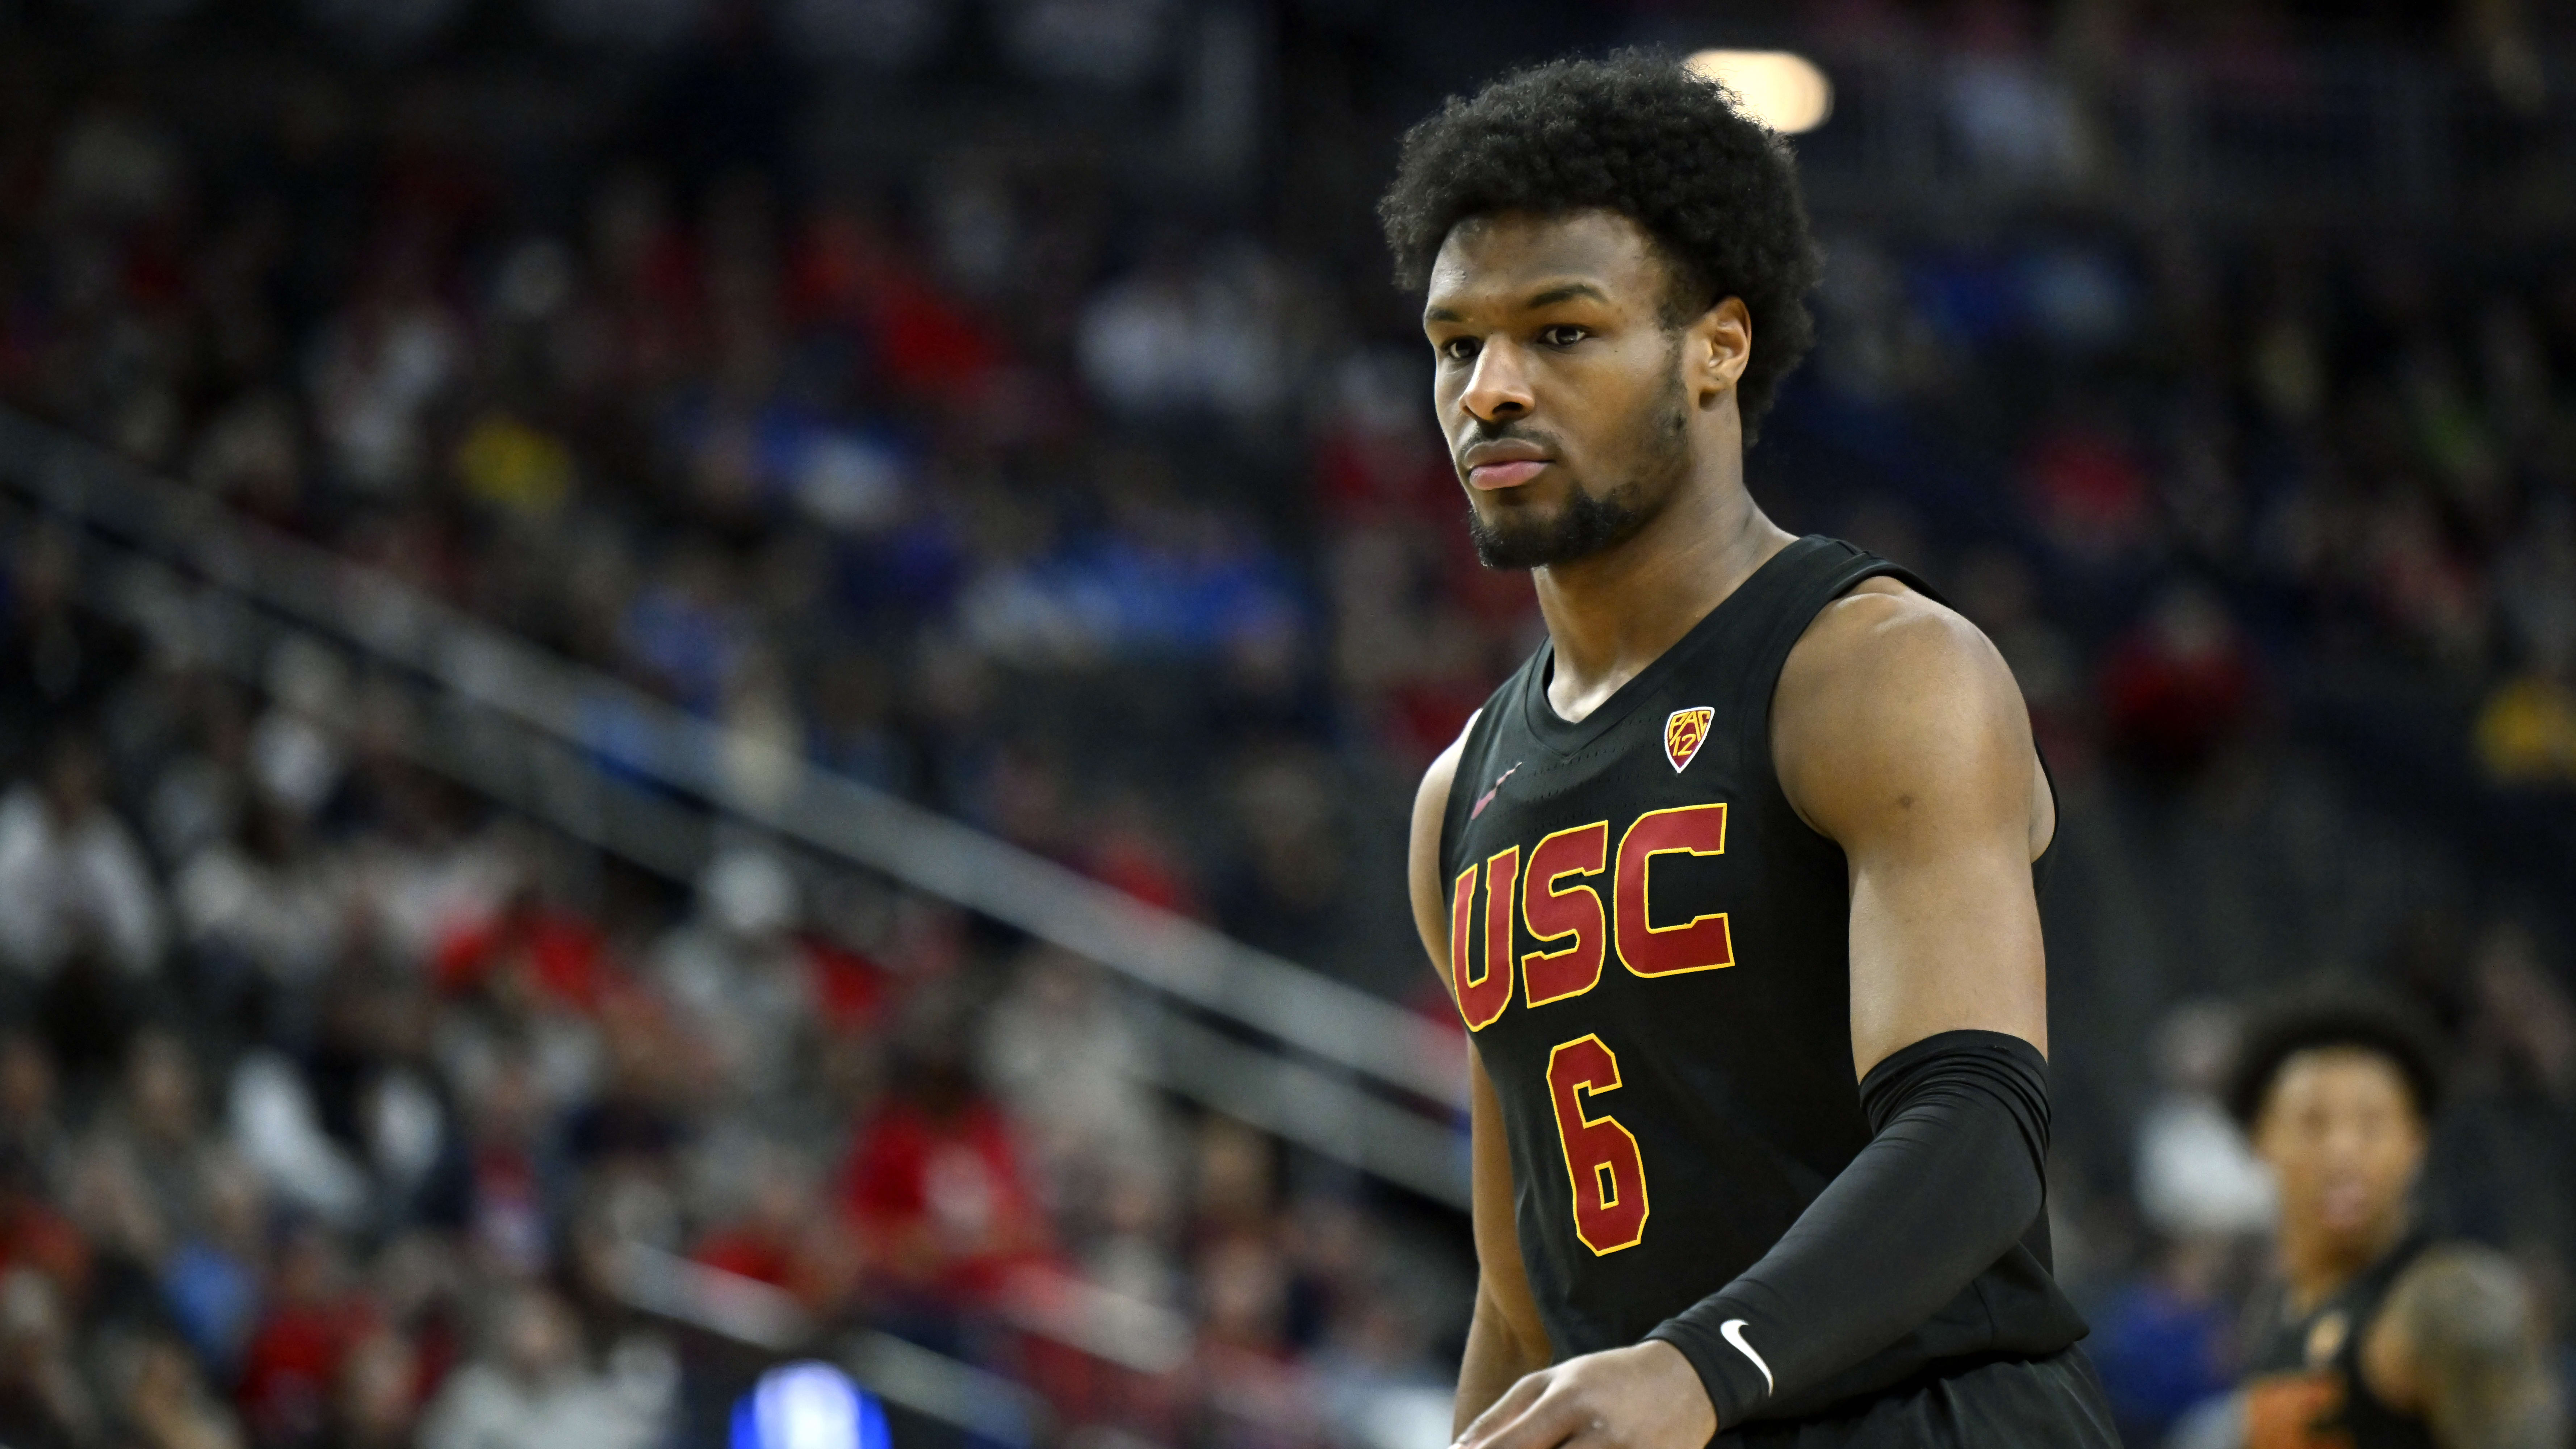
(1684, 731)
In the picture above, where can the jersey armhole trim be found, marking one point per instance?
(1471, 744)
(1774, 660)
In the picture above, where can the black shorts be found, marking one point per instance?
(2048, 1403)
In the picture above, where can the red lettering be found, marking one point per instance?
(1555, 912)
(1702, 943)
(1482, 997)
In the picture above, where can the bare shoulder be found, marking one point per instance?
(2464, 1296)
(1883, 637)
(1890, 695)
(1431, 797)
(2460, 1344)
(1430, 809)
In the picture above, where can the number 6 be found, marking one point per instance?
(1601, 1157)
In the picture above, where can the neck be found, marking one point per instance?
(1613, 613)
(2318, 1263)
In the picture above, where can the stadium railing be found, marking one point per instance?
(1277, 1045)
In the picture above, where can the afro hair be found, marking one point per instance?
(1639, 135)
(2316, 1023)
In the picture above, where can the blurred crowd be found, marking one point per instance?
(2303, 453)
(336, 1108)
(329, 1116)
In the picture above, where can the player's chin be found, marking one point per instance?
(2349, 1213)
(1537, 504)
(1521, 520)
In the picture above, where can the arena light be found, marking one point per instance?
(808, 1405)
(1782, 89)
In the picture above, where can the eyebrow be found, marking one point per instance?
(1565, 292)
(1561, 292)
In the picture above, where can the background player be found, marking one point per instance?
(1687, 1216)
(2377, 1337)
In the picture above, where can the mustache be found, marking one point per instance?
(1511, 431)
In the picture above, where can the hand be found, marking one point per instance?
(1646, 1397)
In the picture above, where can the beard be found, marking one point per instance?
(1592, 522)
(1588, 523)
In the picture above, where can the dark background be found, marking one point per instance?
(1004, 403)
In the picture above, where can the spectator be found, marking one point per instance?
(2164, 1342)
(1288, 892)
(376, 370)
(31, 1129)
(1255, 1390)
(1062, 1055)
(216, 1268)
(782, 1235)
(634, 1124)
(155, 1126)
(38, 1240)
(313, 1316)
(71, 873)
(739, 971)
(278, 1130)
(2197, 1177)
(57, 661)
(379, 1395)
(530, 1389)
(380, 1099)
(2180, 689)
(2525, 734)
(934, 1182)
(2089, 490)
(43, 1403)
(263, 900)
(516, 1173)
(166, 1403)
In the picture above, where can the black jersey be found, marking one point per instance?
(1652, 951)
(2304, 1387)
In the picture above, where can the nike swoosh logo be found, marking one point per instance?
(1488, 797)
(1733, 1330)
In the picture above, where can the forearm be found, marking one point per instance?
(1951, 1180)
(1496, 1359)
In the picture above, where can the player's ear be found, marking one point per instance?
(1716, 348)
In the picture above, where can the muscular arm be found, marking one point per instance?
(1898, 732)
(2459, 1345)
(1505, 1340)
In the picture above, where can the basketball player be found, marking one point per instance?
(1733, 881)
(2377, 1337)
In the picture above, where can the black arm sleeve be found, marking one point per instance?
(1950, 1180)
